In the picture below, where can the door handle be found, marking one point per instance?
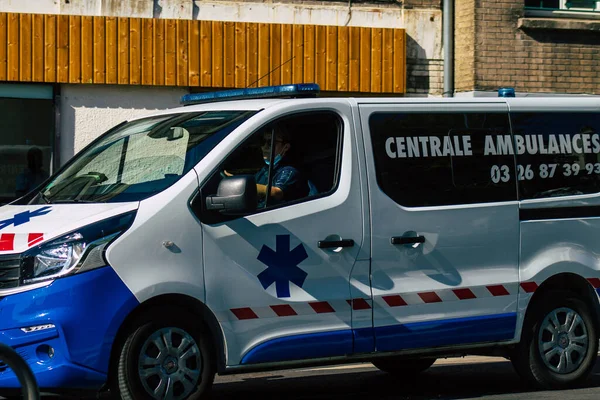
(407, 239)
(332, 244)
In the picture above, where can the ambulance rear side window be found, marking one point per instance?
(433, 159)
(558, 153)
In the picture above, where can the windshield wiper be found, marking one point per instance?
(44, 197)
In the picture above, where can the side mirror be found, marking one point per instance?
(175, 133)
(234, 194)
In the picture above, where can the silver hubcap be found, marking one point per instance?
(563, 340)
(170, 364)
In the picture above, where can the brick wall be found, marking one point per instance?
(464, 45)
(532, 55)
(423, 3)
(424, 76)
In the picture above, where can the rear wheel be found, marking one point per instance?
(403, 367)
(166, 357)
(559, 342)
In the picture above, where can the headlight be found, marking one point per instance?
(78, 251)
(52, 261)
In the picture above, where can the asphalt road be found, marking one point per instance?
(463, 378)
(458, 378)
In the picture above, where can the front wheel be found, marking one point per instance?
(166, 357)
(403, 367)
(559, 342)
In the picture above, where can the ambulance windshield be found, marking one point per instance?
(140, 158)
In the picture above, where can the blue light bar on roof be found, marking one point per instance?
(506, 92)
(295, 90)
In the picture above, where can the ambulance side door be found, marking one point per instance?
(445, 224)
(278, 279)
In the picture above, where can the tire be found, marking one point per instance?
(187, 363)
(403, 367)
(550, 371)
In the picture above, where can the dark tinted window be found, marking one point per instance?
(559, 152)
(542, 3)
(428, 159)
(26, 145)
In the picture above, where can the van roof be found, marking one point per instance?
(234, 105)
(534, 103)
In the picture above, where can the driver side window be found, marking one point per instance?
(293, 159)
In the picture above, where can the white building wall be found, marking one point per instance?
(87, 111)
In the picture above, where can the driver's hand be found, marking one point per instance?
(225, 174)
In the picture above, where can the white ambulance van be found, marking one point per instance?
(396, 231)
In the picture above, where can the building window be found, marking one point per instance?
(564, 5)
(26, 143)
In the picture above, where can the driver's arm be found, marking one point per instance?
(283, 180)
(276, 192)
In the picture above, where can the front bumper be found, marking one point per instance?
(65, 330)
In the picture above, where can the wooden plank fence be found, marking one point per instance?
(216, 54)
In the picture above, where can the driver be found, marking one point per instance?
(287, 183)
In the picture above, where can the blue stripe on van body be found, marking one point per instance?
(298, 347)
(488, 328)
(364, 340)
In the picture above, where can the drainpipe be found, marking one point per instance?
(448, 40)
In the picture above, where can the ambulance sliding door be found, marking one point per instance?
(442, 184)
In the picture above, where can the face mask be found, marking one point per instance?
(277, 159)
